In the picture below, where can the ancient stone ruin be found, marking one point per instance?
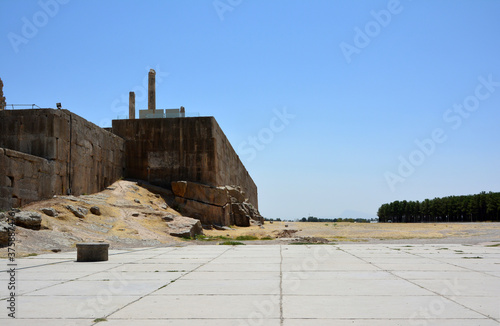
(47, 152)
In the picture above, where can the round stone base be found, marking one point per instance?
(92, 252)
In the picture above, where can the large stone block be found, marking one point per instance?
(200, 192)
(206, 213)
(185, 227)
(90, 252)
(28, 220)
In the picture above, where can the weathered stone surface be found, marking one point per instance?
(95, 210)
(200, 192)
(131, 105)
(185, 227)
(254, 213)
(24, 178)
(4, 234)
(152, 90)
(79, 212)
(28, 220)
(49, 211)
(225, 205)
(89, 252)
(168, 217)
(236, 194)
(192, 149)
(206, 213)
(221, 228)
(36, 146)
(241, 216)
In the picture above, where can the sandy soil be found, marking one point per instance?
(132, 217)
(467, 233)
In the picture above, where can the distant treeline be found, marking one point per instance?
(316, 219)
(471, 208)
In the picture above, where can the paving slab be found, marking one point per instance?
(389, 322)
(373, 306)
(270, 285)
(217, 286)
(201, 306)
(194, 321)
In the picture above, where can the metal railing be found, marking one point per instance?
(13, 106)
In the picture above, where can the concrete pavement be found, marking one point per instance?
(291, 285)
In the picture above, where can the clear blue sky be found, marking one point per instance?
(322, 100)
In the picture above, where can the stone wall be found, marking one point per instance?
(66, 153)
(230, 169)
(188, 149)
(85, 158)
(24, 178)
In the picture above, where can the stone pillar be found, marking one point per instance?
(183, 112)
(131, 105)
(151, 90)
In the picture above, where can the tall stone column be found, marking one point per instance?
(131, 105)
(151, 90)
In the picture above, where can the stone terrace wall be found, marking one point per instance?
(24, 178)
(230, 169)
(182, 149)
(86, 158)
(164, 150)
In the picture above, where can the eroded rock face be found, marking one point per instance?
(225, 205)
(4, 234)
(28, 220)
(185, 227)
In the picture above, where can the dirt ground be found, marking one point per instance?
(467, 233)
(132, 217)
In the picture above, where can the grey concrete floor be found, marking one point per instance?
(291, 285)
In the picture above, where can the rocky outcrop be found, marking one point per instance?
(4, 233)
(49, 211)
(79, 212)
(184, 227)
(28, 220)
(95, 210)
(225, 205)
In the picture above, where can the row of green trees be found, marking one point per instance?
(471, 208)
(317, 219)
